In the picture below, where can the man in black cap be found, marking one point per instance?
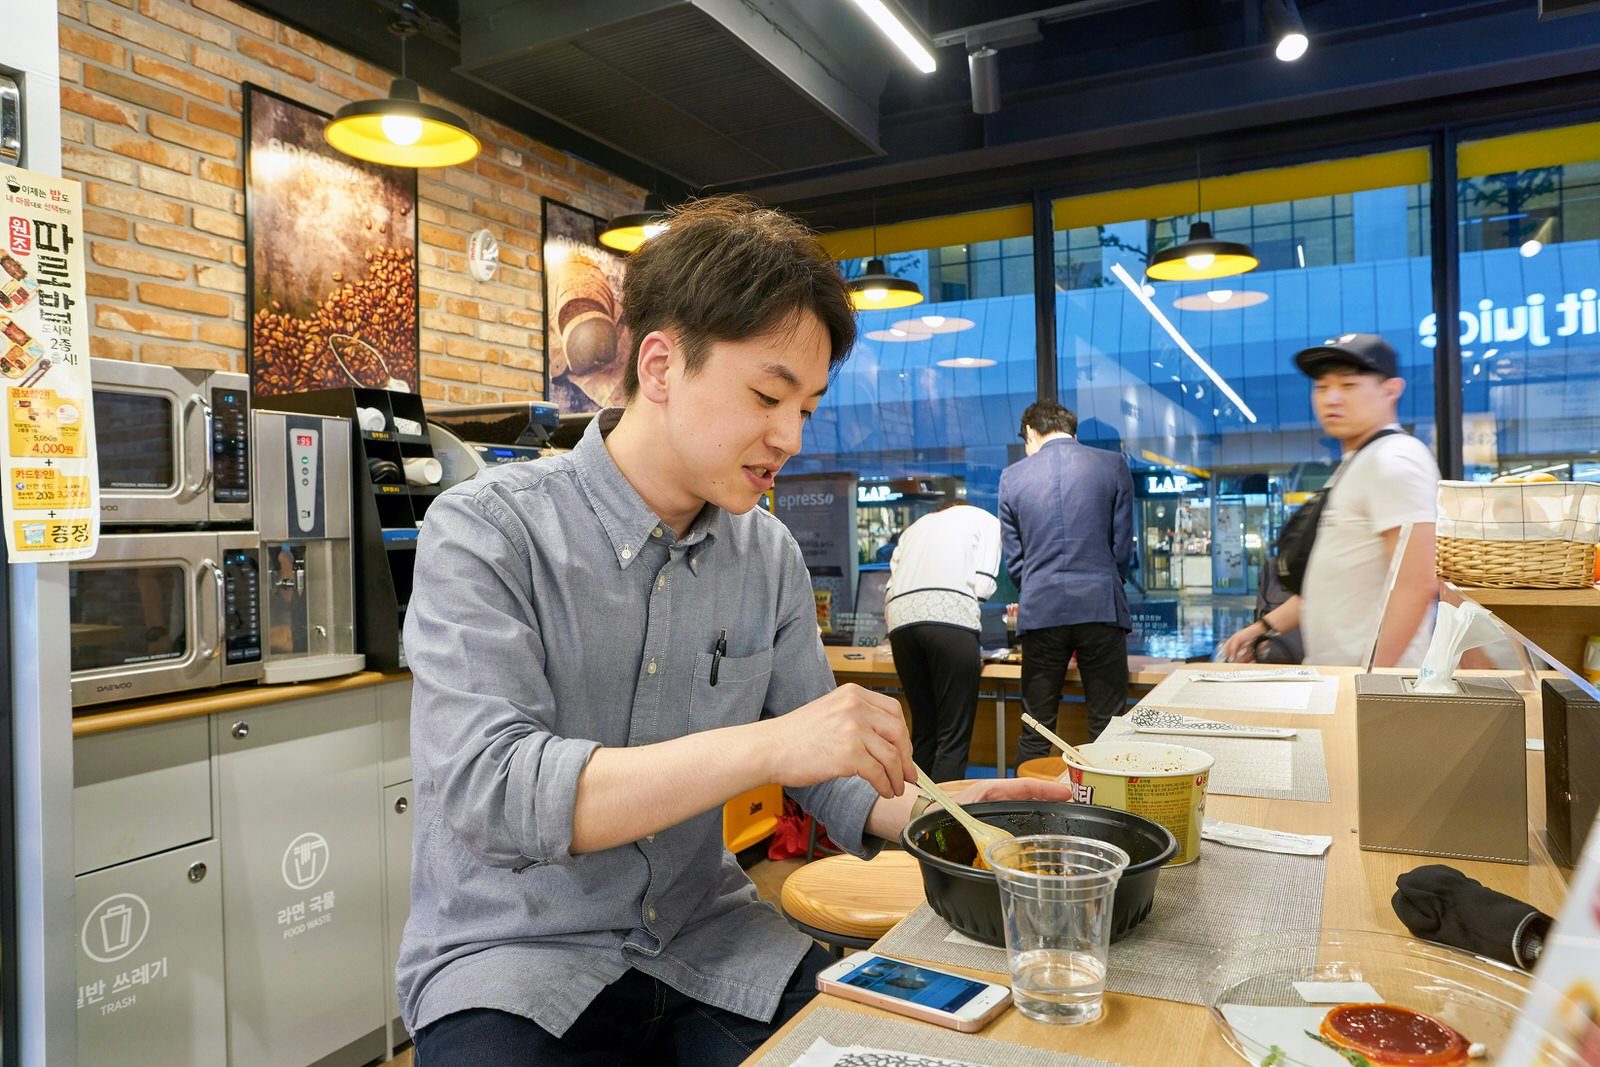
(1386, 479)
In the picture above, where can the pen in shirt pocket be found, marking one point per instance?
(717, 653)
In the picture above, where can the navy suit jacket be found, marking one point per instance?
(1066, 528)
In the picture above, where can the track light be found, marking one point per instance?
(1289, 40)
(983, 66)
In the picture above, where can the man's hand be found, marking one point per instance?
(1241, 647)
(1013, 789)
(851, 731)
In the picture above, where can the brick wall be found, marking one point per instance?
(152, 125)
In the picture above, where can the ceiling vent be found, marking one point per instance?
(711, 91)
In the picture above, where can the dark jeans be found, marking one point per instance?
(938, 667)
(636, 1019)
(1102, 649)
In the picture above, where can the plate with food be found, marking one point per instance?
(1357, 998)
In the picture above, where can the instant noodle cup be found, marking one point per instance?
(1163, 783)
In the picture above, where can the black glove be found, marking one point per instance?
(1439, 903)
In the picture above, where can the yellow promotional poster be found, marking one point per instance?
(1164, 783)
(824, 610)
(51, 508)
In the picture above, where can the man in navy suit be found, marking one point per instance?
(1066, 528)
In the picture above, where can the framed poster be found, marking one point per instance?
(331, 258)
(586, 345)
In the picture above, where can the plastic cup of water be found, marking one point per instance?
(1056, 894)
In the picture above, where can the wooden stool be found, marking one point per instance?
(849, 903)
(1047, 767)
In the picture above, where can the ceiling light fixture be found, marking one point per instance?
(626, 233)
(876, 289)
(895, 28)
(1541, 237)
(983, 70)
(1288, 31)
(1172, 331)
(400, 130)
(963, 362)
(1202, 256)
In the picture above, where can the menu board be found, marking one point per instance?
(51, 508)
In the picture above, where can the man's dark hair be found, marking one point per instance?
(1047, 416)
(727, 269)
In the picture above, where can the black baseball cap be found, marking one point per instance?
(1357, 351)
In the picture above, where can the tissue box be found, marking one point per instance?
(1442, 774)
(1571, 767)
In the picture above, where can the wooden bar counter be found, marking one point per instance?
(1000, 684)
(1140, 1030)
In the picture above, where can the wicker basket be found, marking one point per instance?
(1516, 564)
(1519, 536)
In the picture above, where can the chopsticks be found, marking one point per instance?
(1050, 735)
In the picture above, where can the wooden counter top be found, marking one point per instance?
(228, 698)
(1141, 1030)
(875, 666)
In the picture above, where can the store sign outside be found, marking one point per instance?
(876, 494)
(50, 506)
(1532, 320)
(1172, 484)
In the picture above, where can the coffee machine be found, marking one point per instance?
(302, 487)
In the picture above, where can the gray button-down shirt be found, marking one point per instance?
(553, 613)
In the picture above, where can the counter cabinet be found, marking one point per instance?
(242, 880)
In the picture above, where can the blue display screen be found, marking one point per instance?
(931, 989)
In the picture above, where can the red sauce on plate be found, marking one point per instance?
(1386, 1034)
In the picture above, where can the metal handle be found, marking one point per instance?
(241, 730)
(197, 872)
(195, 400)
(222, 605)
(401, 805)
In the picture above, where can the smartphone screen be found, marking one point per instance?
(931, 989)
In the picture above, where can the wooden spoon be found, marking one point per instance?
(1050, 735)
(983, 834)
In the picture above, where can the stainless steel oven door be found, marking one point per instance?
(158, 442)
(146, 617)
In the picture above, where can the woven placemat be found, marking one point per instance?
(1277, 769)
(872, 1031)
(1231, 893)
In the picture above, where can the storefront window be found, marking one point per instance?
(1529, 331)
(926, 409)
(1193, 381)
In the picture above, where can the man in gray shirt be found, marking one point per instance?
(609, 645)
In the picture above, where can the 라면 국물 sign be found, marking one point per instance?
(50, 507)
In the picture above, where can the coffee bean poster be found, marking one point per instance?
(331, 244)
(586, 346)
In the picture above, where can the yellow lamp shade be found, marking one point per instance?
(401, 131)
(626, 233)
(1202, 256)
(877, 289)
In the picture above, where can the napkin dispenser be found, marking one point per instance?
(1571, 766)
(1442, 774)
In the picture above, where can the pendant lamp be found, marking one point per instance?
(1202, 256)
(400, 130)
(626, 233)
(876, 288)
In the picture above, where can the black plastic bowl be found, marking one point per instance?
(969, 899)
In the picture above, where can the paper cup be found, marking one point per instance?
(1164, 783)
(423, 470)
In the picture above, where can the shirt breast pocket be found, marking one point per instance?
(737, 697)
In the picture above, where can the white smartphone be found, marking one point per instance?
(934, 996)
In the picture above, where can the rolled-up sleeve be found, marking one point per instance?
(800, 674)
(482, 708)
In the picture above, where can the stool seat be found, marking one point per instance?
(1046, 767)
(847, 901)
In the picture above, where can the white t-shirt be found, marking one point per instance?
(943, 569)
(1391, 482)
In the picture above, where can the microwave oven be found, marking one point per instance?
(155, 613)
(173, 444)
